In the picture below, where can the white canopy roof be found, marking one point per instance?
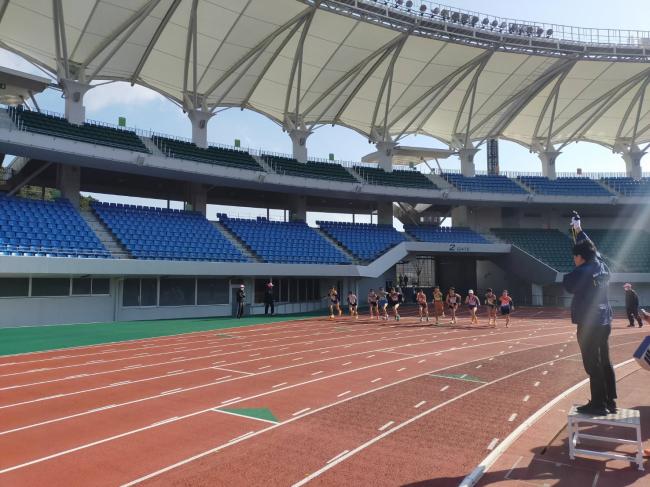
(314, 63)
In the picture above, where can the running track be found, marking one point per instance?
(313, 402)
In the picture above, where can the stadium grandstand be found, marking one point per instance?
(142, 230)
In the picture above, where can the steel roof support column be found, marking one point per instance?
(199, 119)
(385, 150)
(298, 132)
(632, 155)
(467, 167)
(548, 157)
(73, 92)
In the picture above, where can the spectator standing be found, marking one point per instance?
(241, 299)
(269, 299)
(632, 305)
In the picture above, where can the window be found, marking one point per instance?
(13, 287)
(140, 292)
(101, 286)
(131, 292)
(177, 291)
(212, 291)
(53, 286)
(81, 286)
(149, 292)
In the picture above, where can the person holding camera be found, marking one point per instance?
(591, 312)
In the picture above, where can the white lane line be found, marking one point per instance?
(175, 371)
(400, 370)
(110, 406)
(422, 361)
(370, 356)
(263, 367)
(479, 366)
(493, 443)
(235, 371)
(545, 372)
(176, 358)
(382, 428)
(296, 359)
(164, 421)
(343, 393)
(241, 437)
(536, 384)
(337, 456)
(346, 363)
(419, 404)
(171, 391)
(316, 373)
(526, 397)
(324, 352)
(279, 385)
(223, 446)
(231, 400)
(255, 354)
(375, 380)
(300, 412)
(512, 417)
(133, 366)
(114, 384)
(444, 389)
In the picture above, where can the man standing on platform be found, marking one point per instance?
(632, 305)
(590, 310)
(241, 299)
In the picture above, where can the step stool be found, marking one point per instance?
(624, 418)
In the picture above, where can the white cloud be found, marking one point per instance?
(13, 61)
(120, 93)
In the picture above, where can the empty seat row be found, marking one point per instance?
(484, 184)
(564, 186)
(428, 233)
(364, 240)
(397, 177)
(310, 169)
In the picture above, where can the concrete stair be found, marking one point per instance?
(439, 181)
(260, 160)
(150, 144)
(237, 242)
(333, 242)
(354, 174)
(111, 243)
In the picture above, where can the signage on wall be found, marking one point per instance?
(458, 248)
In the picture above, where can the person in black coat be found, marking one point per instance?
(269, 301)
(632, 305)
(590, 310)
(241, 299)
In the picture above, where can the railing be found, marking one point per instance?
(52, 250)
(450, 17)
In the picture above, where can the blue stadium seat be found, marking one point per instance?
(628, 186)
(484, 184)
(428, 233)
(364, 240)
(163, 234)
(37, 228)
(284, 242)
(564, 186)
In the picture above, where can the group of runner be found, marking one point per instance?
(383, 301)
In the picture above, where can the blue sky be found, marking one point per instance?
(147, 110)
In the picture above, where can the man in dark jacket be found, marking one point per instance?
(269, 299)
(590, 310)
(241, 299)
(632, 305)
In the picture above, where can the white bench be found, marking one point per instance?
(624, 418)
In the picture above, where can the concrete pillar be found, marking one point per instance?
(385, 153)
(199, 119)
(537, 294)
(467, 167)
(68, 181)
(198, 197)
(548, 163)
(298, 208)
(632, 158)
(384, 212)
(299, 141)
(73, 92)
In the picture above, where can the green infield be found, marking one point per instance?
(39, 338)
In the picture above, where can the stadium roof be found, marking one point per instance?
(377, 70)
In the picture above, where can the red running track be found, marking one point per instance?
(342, 402)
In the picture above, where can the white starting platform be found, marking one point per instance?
(624, 418)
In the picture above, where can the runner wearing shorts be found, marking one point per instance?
(372, 303)
(472, 303)
(453, 301)
(353, 305)
(491, 302)
(438, 304)
(423, 306)
(393, 302)
(334, 302)
(506, 306)
(383, 303)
